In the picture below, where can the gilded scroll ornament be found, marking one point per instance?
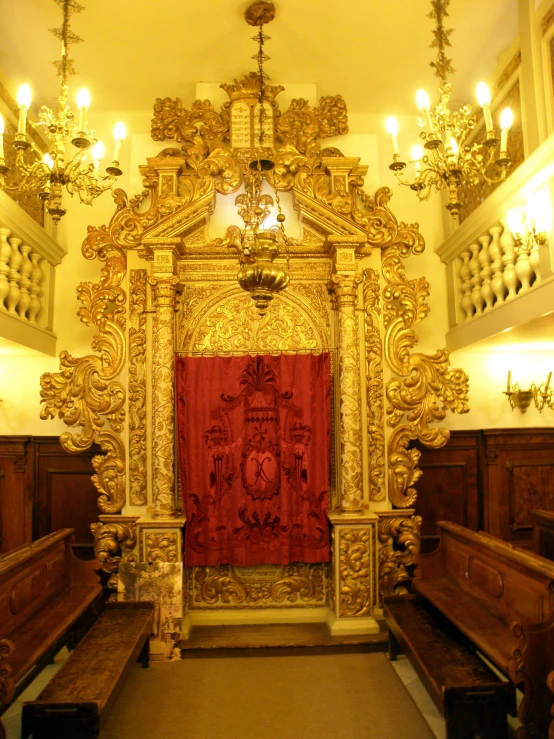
(86, 393)
(280, 587)
(344, 289)
(163, 396)
(234, 325)
(113, 543)
(355, 563)
(301, 125)
(137, 387)
(161, 547)
(426, 386)
(374, 385)
(400, 541)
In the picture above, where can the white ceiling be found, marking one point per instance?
(376, 54)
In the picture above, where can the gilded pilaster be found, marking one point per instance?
(163, 396)
(345, 291)
(137, 387)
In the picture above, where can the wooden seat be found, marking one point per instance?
(473, 700)
(502, 599)
(45, 592)
(78, 700)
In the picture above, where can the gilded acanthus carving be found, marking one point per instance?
(344, 289)
(400, 541)
(173, 121)
(114, 543)
(86, 393)
(282, 587)
(161, 547)
(234, 325)
(163, 395)
(137, 387)
(301, 125)
(355, 563)
(374, 385)
(317, 297)
(426, 386)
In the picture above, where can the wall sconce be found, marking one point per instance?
(528, 227)
(541, 394)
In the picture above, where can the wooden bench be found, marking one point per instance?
(45, 593)
(502, 599)
(470, 696)
(77, 701)
(543, 533)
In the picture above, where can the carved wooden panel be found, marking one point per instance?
(15, 501)
(65, 494)
(518, 476)
(449, 487)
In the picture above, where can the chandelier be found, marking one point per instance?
(449, 158)
(259, 273)
(63, 166)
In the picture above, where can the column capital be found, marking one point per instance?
(344, 288)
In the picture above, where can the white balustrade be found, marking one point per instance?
(28, 257)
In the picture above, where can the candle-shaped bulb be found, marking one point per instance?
(515, 221)
(422, 100)
(47, 159)
(509, 381)
(417, 156)
(83, 103)
(97, 152)
(24, 97)
(391, 126)
(118, 134)
(119, 131)
(24, 101)
(547, 382)
(483, 94)
(506, 119)
(454, 146)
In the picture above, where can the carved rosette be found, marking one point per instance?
(400, 541)
(86, 393)
(7, 685)
(224, 586)
(163, 396)
(355, 549)
(344, 289)
(137, 387)
(374, 385)
(113, 543)
(162, 547)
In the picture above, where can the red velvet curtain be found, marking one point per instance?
(254, 437)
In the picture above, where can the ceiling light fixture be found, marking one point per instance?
(449, 158)
(259, 274)
(60, 167)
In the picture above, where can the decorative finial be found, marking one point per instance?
(259, 13)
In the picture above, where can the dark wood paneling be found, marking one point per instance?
(44, 488)
(488, 480)
(449, 487)
(518, 476)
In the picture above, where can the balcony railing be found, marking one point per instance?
(28, 257)
(493, 283)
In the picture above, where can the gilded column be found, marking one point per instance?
(163, 384)
(345, 290)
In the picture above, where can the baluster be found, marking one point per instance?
(523, 268)
(486, 271)
(495, 253)
(5, 253)
(34, 289)
(464, 276)
(475, 268)
(534, 261)
(509, 275)
(15, 260)
(25, 283)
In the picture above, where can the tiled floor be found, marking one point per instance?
(12, 717)
(420, 696)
